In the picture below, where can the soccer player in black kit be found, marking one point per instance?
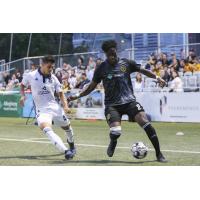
(119, 96)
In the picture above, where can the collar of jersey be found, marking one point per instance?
(44, 76)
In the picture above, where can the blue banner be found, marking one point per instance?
(29, 109)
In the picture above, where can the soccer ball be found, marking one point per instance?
(139, 150)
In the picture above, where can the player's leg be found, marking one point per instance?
(113, 118)
(44, 122)
(142, 120)
(70, 135)
(60, 119)
(136, 112)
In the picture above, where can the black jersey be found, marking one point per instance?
(117, 81)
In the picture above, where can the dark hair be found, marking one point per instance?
(108, 44)
(48, 59)
(81, 58)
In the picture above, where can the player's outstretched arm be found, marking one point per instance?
(84, 92)
(150, 74)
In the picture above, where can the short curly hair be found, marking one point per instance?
(108, 44)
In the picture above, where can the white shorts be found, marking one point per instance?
(55, 114)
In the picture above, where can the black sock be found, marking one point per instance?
(114, 137)
(71, 145)
(151, 133)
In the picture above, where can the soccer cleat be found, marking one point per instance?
(69, 154)
(111, 148)
(161, 158)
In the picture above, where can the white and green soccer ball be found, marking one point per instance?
(139, 150)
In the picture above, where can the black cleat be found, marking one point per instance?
(111, 148)
(161, 158)
(69, 154)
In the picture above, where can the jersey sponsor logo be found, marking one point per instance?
(44, 91)
(123, 68)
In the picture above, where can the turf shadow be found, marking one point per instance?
(101, 162)
(30, 157)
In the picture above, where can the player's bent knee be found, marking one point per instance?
(44, 125)
(116, 130)
(141, 119)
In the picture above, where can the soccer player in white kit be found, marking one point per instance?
(44, 85)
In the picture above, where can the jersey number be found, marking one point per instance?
(138, 107)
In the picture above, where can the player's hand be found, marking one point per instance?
(72, 97)
(22, 100)
(161, 82)
(67, 109)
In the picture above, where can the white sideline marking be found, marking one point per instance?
(37, 139)
(33, 140)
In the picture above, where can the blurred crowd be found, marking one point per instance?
(71, 77)
(77, 77)
(169, 67)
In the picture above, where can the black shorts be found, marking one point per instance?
(114, 113)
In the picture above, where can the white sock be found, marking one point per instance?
(55, 139)
(70, 134)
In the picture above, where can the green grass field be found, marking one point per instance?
(22, 144)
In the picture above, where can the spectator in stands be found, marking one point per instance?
(90, 68)
(164, 74)
(83, 81)
(80, 66)
(151, 64)
(65, 85)
(91, 63)
(174, 62)
(182, 65)
(173, 58)
(19, 77)
(196, 68)
(176, 84)
(7, 77)
(164, 60)
(156, 69)
(188, 66)
(66, 67)
(192, 58)
(13, 83)
(72, 79)
(58, 74)
(138, 82)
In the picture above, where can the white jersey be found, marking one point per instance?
(43, 92)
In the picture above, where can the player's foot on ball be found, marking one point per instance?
(111, 148)
(69, 154)
(161, 158)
